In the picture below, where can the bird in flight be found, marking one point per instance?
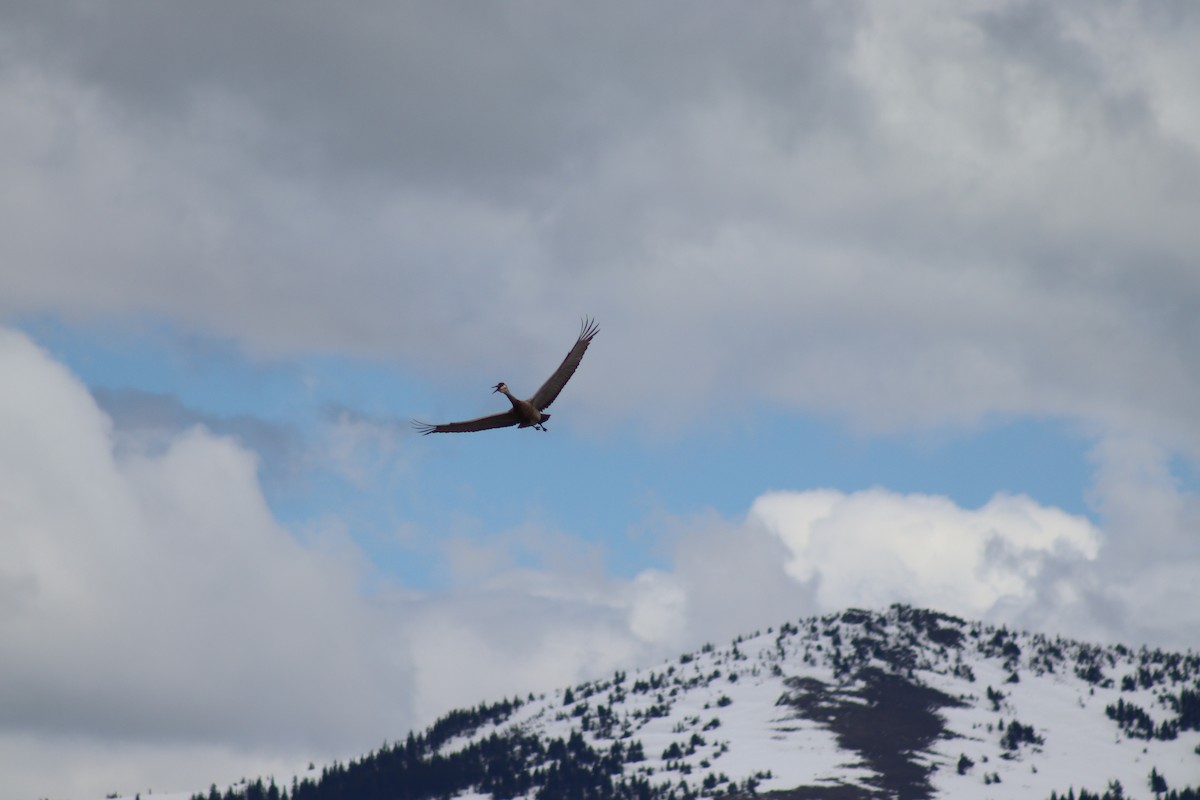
(524, 413)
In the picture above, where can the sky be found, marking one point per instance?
(897, 303)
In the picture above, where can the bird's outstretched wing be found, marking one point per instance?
(504, 420)
(554, 384)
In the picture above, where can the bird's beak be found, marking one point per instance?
(496, 388)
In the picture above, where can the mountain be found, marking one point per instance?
(904, 704)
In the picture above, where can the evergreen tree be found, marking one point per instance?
(1158, 784)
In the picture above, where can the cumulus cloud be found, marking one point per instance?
(153, 597)
(876, 547)
(1152, 552)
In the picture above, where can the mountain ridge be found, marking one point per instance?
(904, 703)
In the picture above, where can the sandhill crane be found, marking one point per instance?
(524, 413)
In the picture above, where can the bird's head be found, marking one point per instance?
(500, 387)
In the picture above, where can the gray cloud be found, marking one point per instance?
(907, 219)
(478, 98)
(148, 421)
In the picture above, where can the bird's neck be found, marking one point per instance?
(509, 395)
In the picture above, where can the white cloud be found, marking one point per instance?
(1130, 578)
(81, 768)
(364, 451)
(1148, 580)
(875, 547)
(480, 645)
(658, 607)
(155, 599)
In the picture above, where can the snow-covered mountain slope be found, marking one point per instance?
(907, 703)
(904, 704)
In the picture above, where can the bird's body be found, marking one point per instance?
(524, 413)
